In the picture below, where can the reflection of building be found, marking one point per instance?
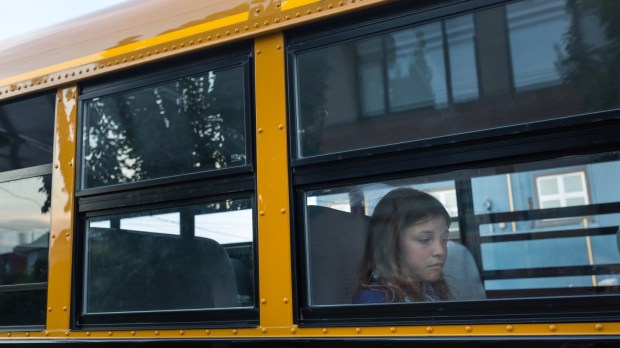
(26, 263)
(496, 67)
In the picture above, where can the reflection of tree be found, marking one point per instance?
(594, 67)
(187, 125)
(46, 188)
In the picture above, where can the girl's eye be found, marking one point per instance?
(424, 240)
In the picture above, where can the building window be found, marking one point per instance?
(562, 190)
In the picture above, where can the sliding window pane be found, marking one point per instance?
(182, 258)
(189, 125)
(507, 65)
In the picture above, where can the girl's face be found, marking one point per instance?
(424, 249)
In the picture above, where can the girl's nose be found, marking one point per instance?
(439, 248)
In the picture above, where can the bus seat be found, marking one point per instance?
(462, 275)
(336, 241)
(138, 271)
(335, 245)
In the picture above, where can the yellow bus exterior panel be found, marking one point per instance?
(62, 211)
(275, 289)
(105, 43)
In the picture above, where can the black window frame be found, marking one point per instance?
(167, 192)
(589, 133)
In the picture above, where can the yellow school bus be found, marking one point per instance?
(212, 173)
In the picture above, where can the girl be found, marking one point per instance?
(405, 250)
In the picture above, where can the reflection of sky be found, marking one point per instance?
(225, 227)
(21, 220)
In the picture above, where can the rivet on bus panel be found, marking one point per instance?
(552, 328)
(263, 330)
(8, 334)
(261, 213)
(110, 333)
(218, 35)
(598, 327)
(324, 330)
(260, 130)
(49, 309)
(235, 331)
(156, 332)
(87, 333)
(468, 328)
(64, 308)
(277, 4)
(285, 300)
(277, 20)
(47, 333)
(67, 333)
(181, 332)
(133, 333)
(256, 25)
(358, 330)
(429, 329)
(319, 9)
(283, 211)
(309, 12)
(330, 6)
(263, 301)
(266, 23)
(27, 334)
(393, 330)
(293, 330)
(208, 332)
(509, 328)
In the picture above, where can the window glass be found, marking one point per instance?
(523, 62)
(24, 242)
(525, 230)
(26, 132)
(182, 258)
(192, 124)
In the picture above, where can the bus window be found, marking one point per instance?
(518, 244)
(166, 214)
(26, 138)
(170, 259)
(524, 62)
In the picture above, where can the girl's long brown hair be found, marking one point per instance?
(382, 267)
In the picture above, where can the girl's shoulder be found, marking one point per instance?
(369, 296)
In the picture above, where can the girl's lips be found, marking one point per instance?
(439, 264)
